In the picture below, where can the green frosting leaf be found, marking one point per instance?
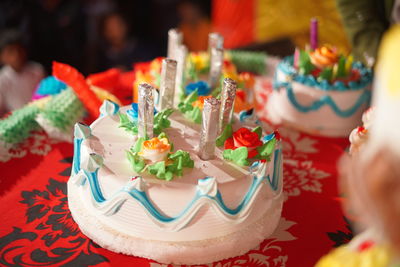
(341, 67)
(238, 156)
(138, 145)
(158, 169)
(258, 131)
(226, 133)
(305, 64)
(161, 120)
(265, 151)
(326, 74)
(194, 115)
(178, 160)
(193, 96)
(126, 124)
(136, 161)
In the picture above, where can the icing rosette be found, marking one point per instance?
(244, 138)
(155, 149)
(324, 56)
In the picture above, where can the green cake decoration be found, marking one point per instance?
(18, 125)
(63, 110)
(249, 61)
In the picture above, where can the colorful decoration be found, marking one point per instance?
(155, 157)
(190, 107)
(50, 86)
(244, 145)
(155, 149)
(129, 121)
(244, 138)
(63, 110)
(324, 56)
(77, 81)
(201, 86)
(328, 67)
(17, 126)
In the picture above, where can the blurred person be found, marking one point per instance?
(365, 23)
(194, 25)
(119, 50)
(57, 31)
(18, 76)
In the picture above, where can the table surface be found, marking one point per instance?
(37, 228)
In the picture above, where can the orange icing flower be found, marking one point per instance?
(155, 149)
(324, 56)
(200, 102)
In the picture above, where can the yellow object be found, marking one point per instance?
(104, 95)
(389, 61)
(291, 19)
(376, 256)
(199, 60)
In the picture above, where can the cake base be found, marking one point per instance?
(305, 122)
(196, 252)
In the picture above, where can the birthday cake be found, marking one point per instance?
(184, 183)
(320, 92)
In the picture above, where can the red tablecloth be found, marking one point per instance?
(37, 229)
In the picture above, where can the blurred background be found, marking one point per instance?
(95, 35)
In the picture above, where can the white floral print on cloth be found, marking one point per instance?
(38, 143)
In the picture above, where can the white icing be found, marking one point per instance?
(323, 121)
(208, 186)
(92, 162)
(81, 131)
(205, 220)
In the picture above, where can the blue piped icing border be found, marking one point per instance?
(143, 199)
(76, 160)
(286, 66)
(364, 98)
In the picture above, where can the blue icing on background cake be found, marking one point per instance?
(320, 92)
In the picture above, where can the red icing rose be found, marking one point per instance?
(244, 137)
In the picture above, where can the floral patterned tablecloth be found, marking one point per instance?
(37, 229)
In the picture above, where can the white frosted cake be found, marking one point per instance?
(320, 92)
(217, 209)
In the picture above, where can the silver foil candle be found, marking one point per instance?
(180, 72)
(167, 85)
(216, 63)
(209, 129)
(145, 110)
(174, 41)
(215, 40)
(228, 95)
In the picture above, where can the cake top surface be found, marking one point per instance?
(326, 69)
